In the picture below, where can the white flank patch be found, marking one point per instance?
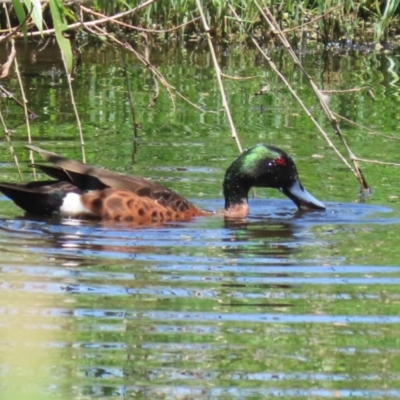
(73, 207)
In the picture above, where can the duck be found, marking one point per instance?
(79, 190)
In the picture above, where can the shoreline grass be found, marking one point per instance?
(324, 21)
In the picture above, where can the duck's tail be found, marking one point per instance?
(39, 198)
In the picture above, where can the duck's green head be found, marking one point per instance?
(265, 166)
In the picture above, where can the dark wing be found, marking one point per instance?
(87, 177)
(82, 181)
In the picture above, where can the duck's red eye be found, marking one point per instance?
(280, 161)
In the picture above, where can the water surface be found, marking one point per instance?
(283, 304)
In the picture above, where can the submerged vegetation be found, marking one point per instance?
(136, 28)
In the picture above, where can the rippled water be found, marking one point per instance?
(283, 304)
(208, 309)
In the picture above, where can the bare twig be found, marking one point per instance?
(137, 28)
(11, 96)
(377, 162)
(371, 94)
(10, 146)
(312, 21)
(78, 25)
(13, 31)
(141, 58)
(156, 87)
(78, 120)
(292, 91)
(219, 78)
(339, 91)
(130, 98)
(25, 101)
(371, 131)
(151, 67)
(269, 18)
(238, 78)
(5, 68)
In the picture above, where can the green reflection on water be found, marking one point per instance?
(163, 322)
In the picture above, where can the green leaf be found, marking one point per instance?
(36, 15)
(60, 25)
(21, 15)
(124, 2)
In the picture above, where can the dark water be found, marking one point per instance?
(283, 304)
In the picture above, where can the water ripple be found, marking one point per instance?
(259, 307)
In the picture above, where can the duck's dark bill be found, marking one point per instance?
(302, 198)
